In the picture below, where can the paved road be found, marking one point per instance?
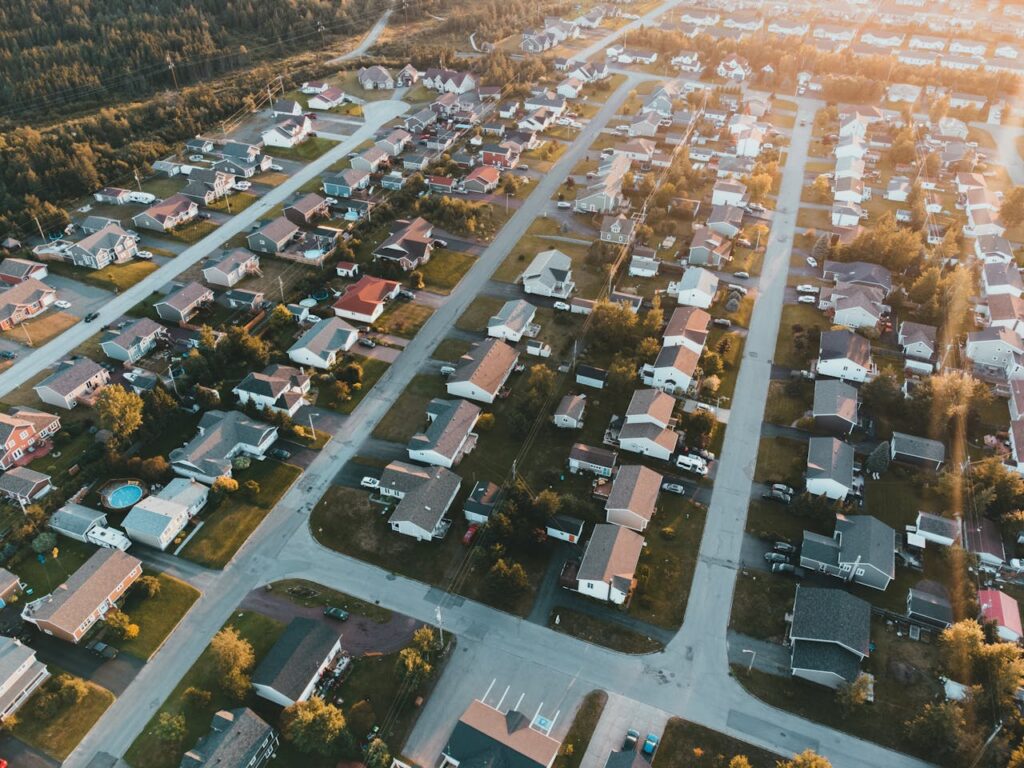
(377, 114)
(368, 40)
(599, 46)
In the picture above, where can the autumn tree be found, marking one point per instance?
(822, 188)
(314, 726)
(377, 755)
(120, 412)
(806, 759)
(44, 543)
(121, 624)
(851, 696)
(233, 658)
(280, 318)
(147, 585)
(413, 668)
(425, 639)
(169, 729)
(1012, 209)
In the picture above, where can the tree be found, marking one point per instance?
(485, 423)
(149, 586)
(711, 363)
(822, 188)
(997, 490)
(613, 326)
(878, 459)
(197, 698)
(1012, 209)
(233, 657)
(314, 726)
(507, 578)
(806, 759)
(740, 761)
(425, 639)
(853, 695)
(361, 717)
(377, 755)
(942, 731)
(252, 490)
(44, 542)
(416, 280)
(121, 623)
(159, 406)
(71, 690)
(938, 110)
(339, 392)
(413, 668)
(280, 318)
(169, 729)
(540, 383)
(887, 243)
(224, 485)
(120, 412)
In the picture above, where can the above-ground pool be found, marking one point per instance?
(121, 494)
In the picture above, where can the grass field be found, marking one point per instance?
(194, 231)
(599, 632)
(403, 318)
(58, 734)
(688, 745)
(577, 739)
(784, 409)
(781, 460)
(406, 416)
(445, 269)
(157, 616)
(326, 596)
(43, 578)
(308, 150)
(39, 330)
(451, 349)
(799, 328)
(760, 603)
(478, 313)
(116, 277)
(227, 527)
(235, 203)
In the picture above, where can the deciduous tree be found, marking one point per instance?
(314, 726)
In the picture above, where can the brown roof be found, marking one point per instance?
(680, 358)
(278, 230)
(635, 488)
(487, 364)
(591, 455)
(308, 203)
(512, 730)
(691, 322)
(72, 602)
(653, 403)
(612, 554)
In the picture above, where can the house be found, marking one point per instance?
(673, 370)
(273, 236)
(329, 98)
(363, 301)
(86, 597)
(568, 414)
(564, 528)
(608, 568)
(109, 245)
(597, 461)
(21, 430)
(113, 196)
(74, 382)
(861, 550)
(859, 273)
(570, 88)
(648, 425)
(449, 434)
(395, 142)
(734, 68)
(76, 521)
(134, 341)
(829, 467)
(919, 451)
(207, 185)
(929, 604)
(646, 124)
(485, 735)
(985, 541)
(164, 216)
(835, 406)
(290, 671)
(220, 437)
(688, 61)
(24, 486)
(482, 372)
(370, 159)
(482, 180)
(855, 306)
(845, 355)
(321, 345)
(449, 81)
(617, 229)
(21, 673)
(726, 221)
(409, 245)
(830, 635)
(687, 327)
(182, 304)
(917, 341)
(589, 376)
(424, 496)
(286, 107)
(307, 209)
(287, 133)
(549, 274)
(231, 267)
(279, 388)
(1002, 610)
(24, 300)
(480, 503)
(158, 519)
(990, 249)
(642, 265)
(347, 183)
(728, 192)
(937, 529)
(604, 193)
(696, 288)
(631, 502)
(14, 271)
(1002, 278)
(846, 215)
(237, 737)
(407, 76)
(513, 321)
(708, 248)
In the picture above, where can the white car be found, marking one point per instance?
(807, 288)
(331, 200)
(564, 204)
(692, 463)
(812, 262)
(369, 482)
(275, 167)
(808, 300)
(62, 304)
(144, 255)
(196, 158)
(562, 305)
(243, 185)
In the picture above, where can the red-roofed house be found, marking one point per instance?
(364, 300)
(1003, 610)
(482, 179)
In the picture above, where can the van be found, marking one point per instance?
(691, 463)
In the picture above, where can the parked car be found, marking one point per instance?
(335, 613)
(91, 316)
(775, 557)
(811, 261)
(438, 243)
(522, 168)
(742, 275)
(447, 370)
(470, 534)
(807, 300)
(789, 569)
(196, 158)
(784, 547)
(144, 255)
(102, 650)
(331, 200)
(632, 737)
(650, 744)
(243, 185)
(783, 488)
(692, 463)
(722, 322)
(6, 354)
(62, 304)
(562, 305)
(276, 167)
(366, 342)
(279, 453)
(782, 498)
(370, 482)
(564, 204)
(673, 488)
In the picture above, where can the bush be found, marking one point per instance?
(147, 586)
(252, 490)
(668, 533)
(196, 697)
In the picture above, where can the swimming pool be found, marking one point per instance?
(123, 496)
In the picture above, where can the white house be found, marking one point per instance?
(549, 274)
(482, 372)
(158, 519)
(845, 355)
(513, 321)
(424, 495)
(570, 411)
(321, 345)
(449, 433)
(696, 288)
(729, 192)
(288, 133)
(608, 569)
(829, 467)
(280, 388)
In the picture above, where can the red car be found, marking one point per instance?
(467, 539)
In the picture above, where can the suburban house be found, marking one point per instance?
(424, 496)
(1001, 609)
(617, 229)
(725, 221)
(167, 214)
(221, 436)
(294, 665)
(395, 142)
(734, 68)
(375, 78)
(237, 737)
(479, 505)
(321, 345)
(487, 736)
(929, 604)
(86, 597)
(634, 493)
(24, 300)
(919, 451)
(110, 245)
(648, 425)
(347, 182)
(696, 288)
(21, 673)
(608, 569)
(288, 107)
(74, 382)
(181, 305)
(287, 133)
(549, 274)
(482, 180)
(604, 193)
(14, 271)
(409, 245)
(228, 269)
(329, 98)
(830, 635)
(158, 519)
(370, 159)
(273, 236)
(687, 327)
(280, 388)
(829, 467)
(570, 411)
(673, 370)
(513, 321)
(207, 185)
(729, 192)
(862, 550)
(23, 485)
(984, 540)
(77, 521)
(845, 355)
(482, 372)
(363, 301)
(917, 341)
(596, 461)
(307, 209)
(708, 248)
(449, 433)
(134, 341)
(936, 529)
(835, 406)
(21, 430)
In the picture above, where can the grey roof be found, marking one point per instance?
(428, 492)
(220, 433)
(837, 345)
(327, 336)
(70, 376)
(828, 458)
(627, 758)
(187, 296)
(146, 521)
(135, 332)
(549, 268)
(698, 278)
(516, 315)
(296, 657)
(236, 737)
(869, 540)
(825, 657)
(918, 447)
(833, 397)
(828, 615)
(612, 556)
(820, 548)
(451, 424)
(928, 522)
(482, 498)
(230, 261)
(572, 406)
(927, 601)
(19, 481)
(859, 272)
(76, 519)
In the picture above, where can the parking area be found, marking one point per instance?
(620, 715)
(84, 298)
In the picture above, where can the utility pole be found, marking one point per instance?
(174, 75)
(280, 284)
(311, 427)
(25, 328)
(40, 228)
(138, 181)
(321, 28)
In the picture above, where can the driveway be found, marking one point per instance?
(84, 298)
(18, 754)
(114, 675)
(620, 714)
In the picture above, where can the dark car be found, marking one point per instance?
(7, 355)
(102, 650)
(632, 737)
(335, 613)
(279, 453)
(91, 316)
(775, 557)
(788, 569)
(784, 547)
(365, 342)
(782, 498)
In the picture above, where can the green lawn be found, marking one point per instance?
(445, 269)
(373, 369)
(478, 313)
(577, 739)
(688, 745)
(799, 329)
(407, 415)
(194, 231)
(157, 616)
(326, 596)
(606, 633)
(235, 203)
(589, 278)
(785, 408)
(147, 751)
(116, 276)
(403, 318)
(760, 603)
(308, 150)
(781, 460)
(451, 349)
(39, 330)
(228, 526)
(43, 578)
(58, 734)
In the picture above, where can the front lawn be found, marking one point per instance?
(589, 278)
(478, 313)
(57, 733)
(229, 523)
(235, 203)
(780, 459)
(147, 751)
(450, 350)
(788, 401)
(688, 745)
(599, 632)
(373, 369)
(156, 616)
(800, 328)
(39, 330)
(308, 150)
(445, 269)
(577, 739)
(194, 231)
(408, 413)
(760, 604)
(116, 277)
(403, 318)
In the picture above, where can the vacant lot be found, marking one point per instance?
(39, 330)
(116, 277)
(688, 745)
(788, 401)
(406, 416)
(445, 269)
(781, 460)
(403, 318)
(194, 231)
(760, 604)
(799, 331)
(478, 313)
(308, 150)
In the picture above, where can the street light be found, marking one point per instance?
(753, 655)
(311, 427)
